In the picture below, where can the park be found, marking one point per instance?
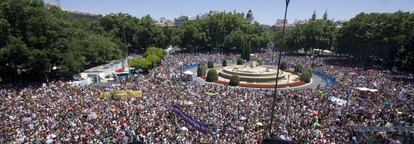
(220, 76)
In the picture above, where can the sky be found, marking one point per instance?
(264, 11)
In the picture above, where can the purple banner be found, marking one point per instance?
(196, 124)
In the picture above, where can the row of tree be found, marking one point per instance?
(382, 38)
(38, 40)
(385, 38)
(221, 32)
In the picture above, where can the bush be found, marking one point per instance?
(212, 75)
(234, 80)
(284, 65)
(298, 68)
(201, 70)
(140, 63)
(153, 58)
(307, 75)
(224, 62)
(239, 61)
(210, 64)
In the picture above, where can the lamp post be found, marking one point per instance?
(278, 69)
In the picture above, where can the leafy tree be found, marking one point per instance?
(284, 65)
(234, 80)
(153, 59)
(201, 70)
(298, 68)
(212, 75)
(140, 63)
(155, 51)
(307, 75)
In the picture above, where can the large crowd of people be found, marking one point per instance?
(60, 113)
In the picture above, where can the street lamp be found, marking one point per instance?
(278, 69)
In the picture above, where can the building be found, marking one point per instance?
(180, 20)
(163, 22)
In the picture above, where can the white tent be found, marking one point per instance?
(366, 89)
(184, 128)
(188, 72)
(338, 101)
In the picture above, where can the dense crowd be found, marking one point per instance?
(58, 112)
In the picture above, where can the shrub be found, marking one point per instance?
(153, 58)
(234, 80)
(307, 75)
(239, 61)
(140, 63)
(283, 65)
(224, 62)
(212, 75)
(298, 68)
(201, 70)
(210, 64)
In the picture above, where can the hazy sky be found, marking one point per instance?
(264, 11)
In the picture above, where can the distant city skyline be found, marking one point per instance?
(264, 11)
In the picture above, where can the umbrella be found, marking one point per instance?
(120, 69)
(184, 128)
(188, 103)
(243, 118)
(259, 124)
(315, 113)
(188, 72)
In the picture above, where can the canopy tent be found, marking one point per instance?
(184, 128)
(120, 69)
(366, 89)
(338, 101)
(188, 72)
(259, 124)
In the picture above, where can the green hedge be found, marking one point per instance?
(201, 70)
(298, 68)
(307, 75)
(284, 65)
(212, 75)
(234, 80)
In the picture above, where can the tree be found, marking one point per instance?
(307, 75)
(201, 70)
(234, 80)
(153, 59)
(382, 36)
(212, 75)
(284, 65)
(210, 64)
(298, 68)
(140, 63)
